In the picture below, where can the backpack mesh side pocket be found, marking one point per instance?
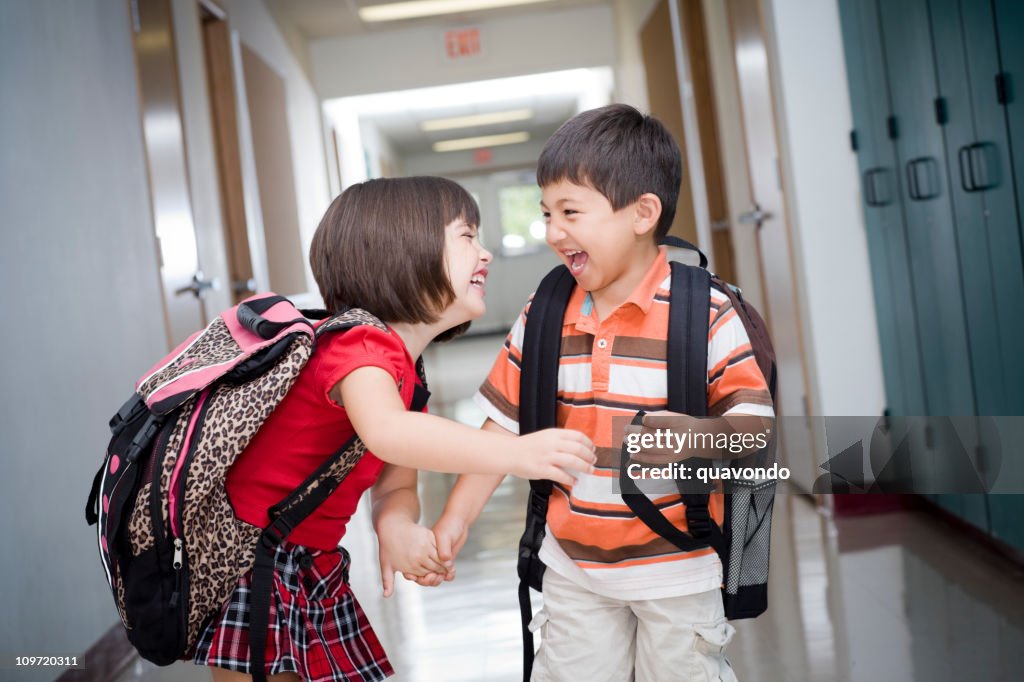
(751, 503)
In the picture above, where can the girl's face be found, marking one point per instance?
(467, 263)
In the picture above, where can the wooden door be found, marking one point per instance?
(271, 143)
(220, 70)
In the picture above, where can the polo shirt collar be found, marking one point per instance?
(581, 304)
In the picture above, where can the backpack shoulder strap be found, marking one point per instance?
(542, 340)
(686, 374)
(687, 351)
(538, 395)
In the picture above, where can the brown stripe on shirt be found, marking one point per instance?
(577, 344)
(659, 546)
(640, 348)
(495, 397)
(743, 395)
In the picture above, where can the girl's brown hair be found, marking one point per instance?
(381, 247)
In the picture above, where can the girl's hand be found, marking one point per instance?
(552, 454)
(409, 548)
(430, 579)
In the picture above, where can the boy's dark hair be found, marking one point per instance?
(621, 153)
(381, 247)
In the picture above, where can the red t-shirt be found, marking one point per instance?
(308, 427)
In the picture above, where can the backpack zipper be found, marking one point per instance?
(177, 564)
(175, 507)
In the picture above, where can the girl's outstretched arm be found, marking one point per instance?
(405, 545)
(424, 441)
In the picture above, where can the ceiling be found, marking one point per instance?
(315, 19)
(398, 116)
(402, 128)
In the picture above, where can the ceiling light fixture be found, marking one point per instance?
(426, 8)
(483, 141)
(476, 120)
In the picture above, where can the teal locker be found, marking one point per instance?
(880, 191)
(1007, 518)
(985, 211)
(934, 261)
(971, 508)
(1007, 511)
(1010, 34)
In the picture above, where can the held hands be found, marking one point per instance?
(551, 454)
(410, 549)
(423, 557)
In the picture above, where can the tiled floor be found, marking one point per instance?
(897, 596)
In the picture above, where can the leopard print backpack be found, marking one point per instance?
(170, 544)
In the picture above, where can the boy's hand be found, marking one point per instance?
(408, 548)
(451, 533)
(551, 454)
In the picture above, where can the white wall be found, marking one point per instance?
(821, 184)
(81, 306)
(378, 150)
(414, 58)
(80, 274)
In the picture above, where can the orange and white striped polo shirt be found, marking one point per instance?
(613, 368)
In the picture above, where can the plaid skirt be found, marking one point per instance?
(317, 628)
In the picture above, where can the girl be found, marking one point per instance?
(406, 250)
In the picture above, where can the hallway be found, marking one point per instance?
(893, 597)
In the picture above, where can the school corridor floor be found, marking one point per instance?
(897, 596)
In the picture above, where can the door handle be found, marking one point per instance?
(755, 216)
(197, 287)
(247, 286)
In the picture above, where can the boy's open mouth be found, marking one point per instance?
(577, 260)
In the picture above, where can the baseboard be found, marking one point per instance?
(105, 659)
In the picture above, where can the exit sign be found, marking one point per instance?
(462, 43)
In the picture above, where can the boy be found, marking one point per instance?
(620, 602)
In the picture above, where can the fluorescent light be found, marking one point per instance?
(476, 120)
(426, 8)
(483, 141)
(513, 241)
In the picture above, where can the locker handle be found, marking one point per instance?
(979, 167)
(922, 178)
(966, 169)
(876, 187)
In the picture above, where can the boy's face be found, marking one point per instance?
(597, 243)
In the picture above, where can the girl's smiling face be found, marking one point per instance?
(467, 262)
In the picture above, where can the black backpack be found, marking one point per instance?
(742, 542)
(171, 546)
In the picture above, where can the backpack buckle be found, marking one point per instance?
(131, 409)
